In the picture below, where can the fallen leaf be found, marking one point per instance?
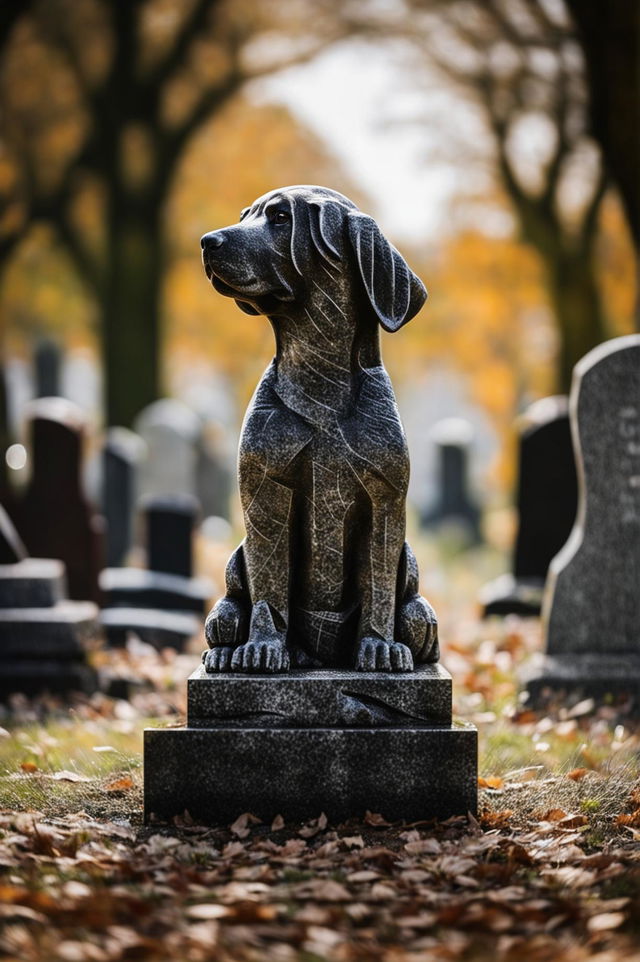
(208, 910)
(277, 824)
(29, 767)
(65, 776)
(605, 921)
(495, 819)
(577, 773)
(120, 784)
(492, 781)
(375, 820)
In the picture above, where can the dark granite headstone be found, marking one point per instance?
(47, 364)
(54, 517)
(592, 601)
(11, 547)
(44, 638)
(121, 456)
(319, 691)
(170, 524)
(547, 502)
(454, 504)
(164, 605)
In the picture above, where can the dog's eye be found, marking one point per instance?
(281, 217)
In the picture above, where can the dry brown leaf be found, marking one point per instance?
(492, 781)
(553, 815)
(577, 773)
(119, 784)
(495, 819)
(375, 820)
(423, 846)
(29, 767)
(312, 828)
(277, 824)
(633, 819)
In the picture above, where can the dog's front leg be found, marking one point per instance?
(377, 648)
(266, 552)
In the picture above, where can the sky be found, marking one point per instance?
(358, 99)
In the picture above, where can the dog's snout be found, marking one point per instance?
(212, 240)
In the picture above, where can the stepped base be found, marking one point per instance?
(304, 742)
(507, 595)
(589, 675)
(31, 677)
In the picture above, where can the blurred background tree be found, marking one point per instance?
(128, 129)
(521, 63)
(99, 100)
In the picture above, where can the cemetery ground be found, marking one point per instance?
(549, 870)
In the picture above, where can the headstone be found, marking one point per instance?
(171, 431)
(591, 609)
(47, 363)
(547, 502)
(164, 605)
(44, 637)
(12, 549)
(53, 516)
(320, 690)
(455, 505)
(122, 453)
(214, 477)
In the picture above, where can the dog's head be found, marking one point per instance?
(267, 260)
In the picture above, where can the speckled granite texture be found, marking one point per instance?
(320, 699)
(404, 773)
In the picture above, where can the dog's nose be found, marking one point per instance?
(214, 239)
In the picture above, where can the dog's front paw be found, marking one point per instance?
(227, 623)
(374, 654)
(218, 658)
(261, 656)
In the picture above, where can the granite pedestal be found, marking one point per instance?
(304, 742)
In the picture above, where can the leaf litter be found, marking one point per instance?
(548, 871)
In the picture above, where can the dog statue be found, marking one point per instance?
(324, 577)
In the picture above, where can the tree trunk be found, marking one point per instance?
(130, 306)
(577, 305)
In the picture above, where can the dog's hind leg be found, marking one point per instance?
(416, 622)
(227, 624)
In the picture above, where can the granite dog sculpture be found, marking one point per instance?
(324, 576)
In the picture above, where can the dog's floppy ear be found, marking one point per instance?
(395, 293)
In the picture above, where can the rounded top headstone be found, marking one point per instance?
(169, 414)
(456, 431)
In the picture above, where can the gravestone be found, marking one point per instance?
(213, 475)
(47, 364)
(454, 504)
(122, 453)
(53, 517)
(44, 637)
(320, 690)
(163, 604)
(547, 502)
(591, 609)
(171, 431)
